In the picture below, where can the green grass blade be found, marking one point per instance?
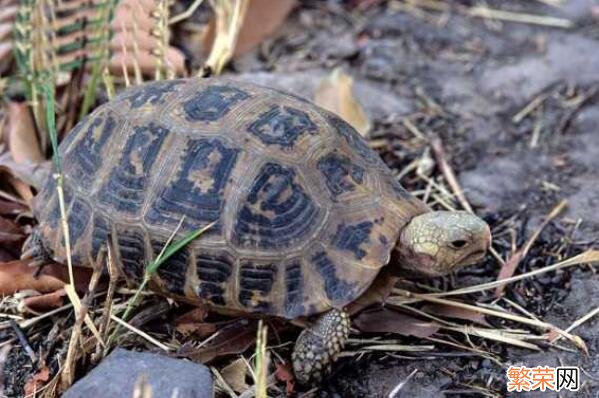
(151, 269)
(175, 247)
(47, 90)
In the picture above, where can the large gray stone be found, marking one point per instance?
(117, 374)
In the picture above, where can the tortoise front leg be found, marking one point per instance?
(34, 250)
(317, 346)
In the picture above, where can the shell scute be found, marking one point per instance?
(126, 187)
(340, 173)
(277, 213)
(255, 283)
(214, 271)
(282, 125)
(196, 191)
(173, 271)
(212, 103)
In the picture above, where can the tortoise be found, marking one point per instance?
(305, 214)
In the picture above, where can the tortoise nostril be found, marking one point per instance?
(458, 244)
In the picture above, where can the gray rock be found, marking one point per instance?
(117, 374)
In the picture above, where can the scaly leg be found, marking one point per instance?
(34, 250)
(317, 346)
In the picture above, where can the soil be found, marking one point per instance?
(481, 73)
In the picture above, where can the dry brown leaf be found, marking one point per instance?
(262, 19)
(22, 137)
(11, 208)
(335, 94)
(37, 381)
(284, 373)
(198, 314)
(192, 323)
(18, 275)
(45, 302)
(234, 374)
(228, 18)
(197, 329)
(456, 312)
(234, 339)
(10, 232)
(386, 320)
(509, 267)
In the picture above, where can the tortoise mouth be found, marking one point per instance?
(473, 257)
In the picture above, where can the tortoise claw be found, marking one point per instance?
(34, 251)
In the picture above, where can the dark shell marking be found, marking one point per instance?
(213, 271)
(340, 174)
(294, 285)
(399, 190)
(335, 288)
(85, 158)
(125, 189)
(131, 245)
(54, 216)
(255, 282)
(277, 212)
(152, 93)
(100, 234)
(78, 219)
(197, 191)
(213, 103)
(355, 141)
(282, 125)
(350, 237)
(173, 270)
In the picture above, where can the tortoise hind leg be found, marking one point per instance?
(34, 250)
(317, 346)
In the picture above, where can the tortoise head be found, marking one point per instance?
(436, 243)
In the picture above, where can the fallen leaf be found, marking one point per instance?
(197, 329)
(234, 338)
(262, 19)
(456, 312)
(18, 275)
(198, 314)
(45, 302)
(37, 381)
(32, 174)
(335, 94)
(283, 373)
(235, 374)
(22, 138)
(10, 232)
(192, 323)
(386, 320)
(11, 208)
(228, 17)
(509, 267)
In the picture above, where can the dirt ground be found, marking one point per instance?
(481, 73)
(515, 161)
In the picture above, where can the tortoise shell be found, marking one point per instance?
(306, 213)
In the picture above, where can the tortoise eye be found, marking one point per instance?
(458, 244)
